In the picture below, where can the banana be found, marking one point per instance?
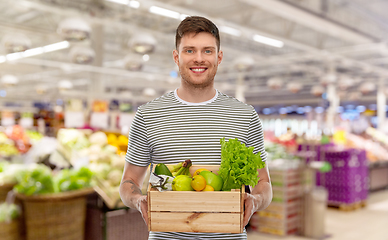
(176, 167)
(184, 169)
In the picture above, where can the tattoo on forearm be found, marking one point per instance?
(134, 188)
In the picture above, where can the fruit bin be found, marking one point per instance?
(191, 211)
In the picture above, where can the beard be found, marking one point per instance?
(201, 84)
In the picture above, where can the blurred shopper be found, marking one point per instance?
(189, 122)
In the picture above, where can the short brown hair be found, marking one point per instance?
(196, 24)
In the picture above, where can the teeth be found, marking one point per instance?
(198, 69)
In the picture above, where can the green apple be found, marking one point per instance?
(182, 183)
(213, 180)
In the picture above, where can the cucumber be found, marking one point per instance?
(162, 169)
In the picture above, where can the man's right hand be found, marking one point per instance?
(142, 207)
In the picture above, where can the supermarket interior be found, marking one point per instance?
(74, 72)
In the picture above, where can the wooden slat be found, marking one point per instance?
(196, 222)
(191, 201)
(242, 202)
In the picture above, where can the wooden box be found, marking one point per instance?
(191, 211)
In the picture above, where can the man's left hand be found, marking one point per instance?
(252, 204)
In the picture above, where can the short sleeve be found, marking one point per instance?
(138, 152)
(256, 136)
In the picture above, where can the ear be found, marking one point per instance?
(220, 56)
(175, 55)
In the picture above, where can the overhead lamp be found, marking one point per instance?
(317, 90)
(328, 79)
(367, 87)
(294, 87)
(41, 89)
(65, 85)
(275, 83)
(354, 96)
(345, 82)
(9, 80)
(268, 41)
(149, 92)
(133, 62)
(244, 63)
(82, 54)
(16, 42)
(74, 29)
(132, 4)
(142, 43)
(230, 31)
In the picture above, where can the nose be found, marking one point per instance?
(198, 57)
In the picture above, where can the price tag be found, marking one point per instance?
(99, 120)
(74, 119)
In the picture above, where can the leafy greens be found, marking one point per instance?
(239, 165)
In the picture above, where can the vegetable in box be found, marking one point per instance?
(239, 165)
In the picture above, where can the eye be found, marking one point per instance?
(208, 51)
(189, 51)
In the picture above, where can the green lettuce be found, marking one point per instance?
(239, 165)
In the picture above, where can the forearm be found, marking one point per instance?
(262, 193)
(130, 192)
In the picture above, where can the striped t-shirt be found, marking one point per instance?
(170, 130)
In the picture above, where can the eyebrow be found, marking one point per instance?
(209, 47)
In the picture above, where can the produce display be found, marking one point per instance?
(15, 140)
(10, 173)
(7, 146)
(40, 179)
(9, 212)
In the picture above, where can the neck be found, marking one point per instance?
(196, 95)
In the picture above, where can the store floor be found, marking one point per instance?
(367, 223)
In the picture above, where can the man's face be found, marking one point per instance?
(198, 59)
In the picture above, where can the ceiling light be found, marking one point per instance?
(164, 12)
(124, 2)
(142, 43)
(230, 31)
(317, 90)
(9, 80)
(33, 52)
(294, 87)
(133, 62)
(149, 92)
(275, 83)
(82, 55)
(65, 85)
(244, 63)
(56, 46)
(74, 29)
(14, 56)
(268, 41)
(132, 4)
(16, 42)
(146, 57)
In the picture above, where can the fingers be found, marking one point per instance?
(142, 207)
(248, 212)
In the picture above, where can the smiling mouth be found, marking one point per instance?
(198, 70)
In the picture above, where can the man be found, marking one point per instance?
(189, 123)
